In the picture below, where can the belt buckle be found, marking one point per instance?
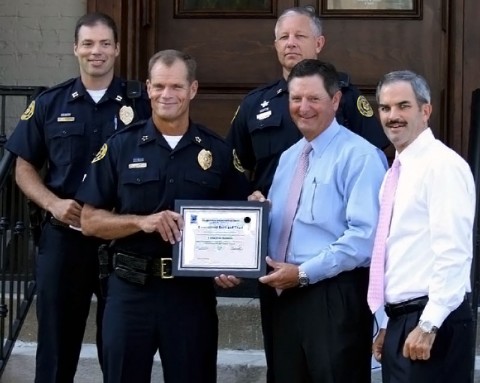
(166, 269)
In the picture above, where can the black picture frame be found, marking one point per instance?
(236, 229)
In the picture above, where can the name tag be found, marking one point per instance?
(264, 115)
(65, 119)
(137, 165)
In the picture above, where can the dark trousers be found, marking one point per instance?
(323, 333)
(450, 360)
(67, 277)
(176, 316)
(267, 297)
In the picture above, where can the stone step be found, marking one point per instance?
(240, 357)
(239, 324)
(233, 366)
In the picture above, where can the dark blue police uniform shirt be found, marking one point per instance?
(65, 128)
(137, 172)
(263, 128)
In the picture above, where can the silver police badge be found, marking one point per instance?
(126, 114)
(205, 159)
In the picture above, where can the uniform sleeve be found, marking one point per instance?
(99, 184)
(239, 138)
(235, 185)
(358, 116)
(28, 140)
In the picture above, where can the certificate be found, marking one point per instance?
(221, 237)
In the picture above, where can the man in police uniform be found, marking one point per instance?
(262, 127)
(129, 195)
(64, 129)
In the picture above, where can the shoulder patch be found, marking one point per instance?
(101, 153)
(28, 112)
(237, 163)
(364, 107)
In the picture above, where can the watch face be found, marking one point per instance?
(427, 326)
(303, 280)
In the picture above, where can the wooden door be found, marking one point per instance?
(232, 42)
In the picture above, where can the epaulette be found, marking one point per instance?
(209, 132)
(263, 87)
(343, 80)
(129, 128)
(58, 86)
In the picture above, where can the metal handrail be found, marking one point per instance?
(17, 249)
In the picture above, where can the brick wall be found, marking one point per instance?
(36, 45)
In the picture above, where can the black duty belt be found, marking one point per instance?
(56, 222)
(138, 270)
(394, 310)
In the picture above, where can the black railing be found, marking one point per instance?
(17, 250)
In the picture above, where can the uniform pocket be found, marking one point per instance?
(141, 190)
(66, 142)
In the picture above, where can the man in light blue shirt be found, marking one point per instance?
(322, 325)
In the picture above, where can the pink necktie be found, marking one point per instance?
(375, 294)
(292, 202)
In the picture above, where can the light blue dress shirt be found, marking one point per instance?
(334, 228)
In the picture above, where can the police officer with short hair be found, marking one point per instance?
(262, 128)
(63, 129)
(129, 194)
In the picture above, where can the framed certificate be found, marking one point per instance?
(221, 237)
(403, 9)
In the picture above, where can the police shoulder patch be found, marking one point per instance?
(364, 107)
(101, 153)
(237, 163)
(28, 112)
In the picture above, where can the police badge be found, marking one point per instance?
(126, 114)
(205, 159)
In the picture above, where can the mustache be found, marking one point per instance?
(396, 122)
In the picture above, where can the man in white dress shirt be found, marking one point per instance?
(429, 248)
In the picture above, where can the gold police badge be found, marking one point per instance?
(237, 163)
(205, 159)
(364, 107)
(28, 112)
(101, 153)
(126, 114)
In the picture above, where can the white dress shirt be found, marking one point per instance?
(429, 248)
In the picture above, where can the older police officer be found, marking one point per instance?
(129, 196)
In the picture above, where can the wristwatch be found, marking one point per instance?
(427, 327)
(303, 279)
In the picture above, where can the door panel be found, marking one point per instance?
(236, 53)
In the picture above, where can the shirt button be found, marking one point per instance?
(95, 130)
(172, 157)
(138, 180)
(171, 181)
